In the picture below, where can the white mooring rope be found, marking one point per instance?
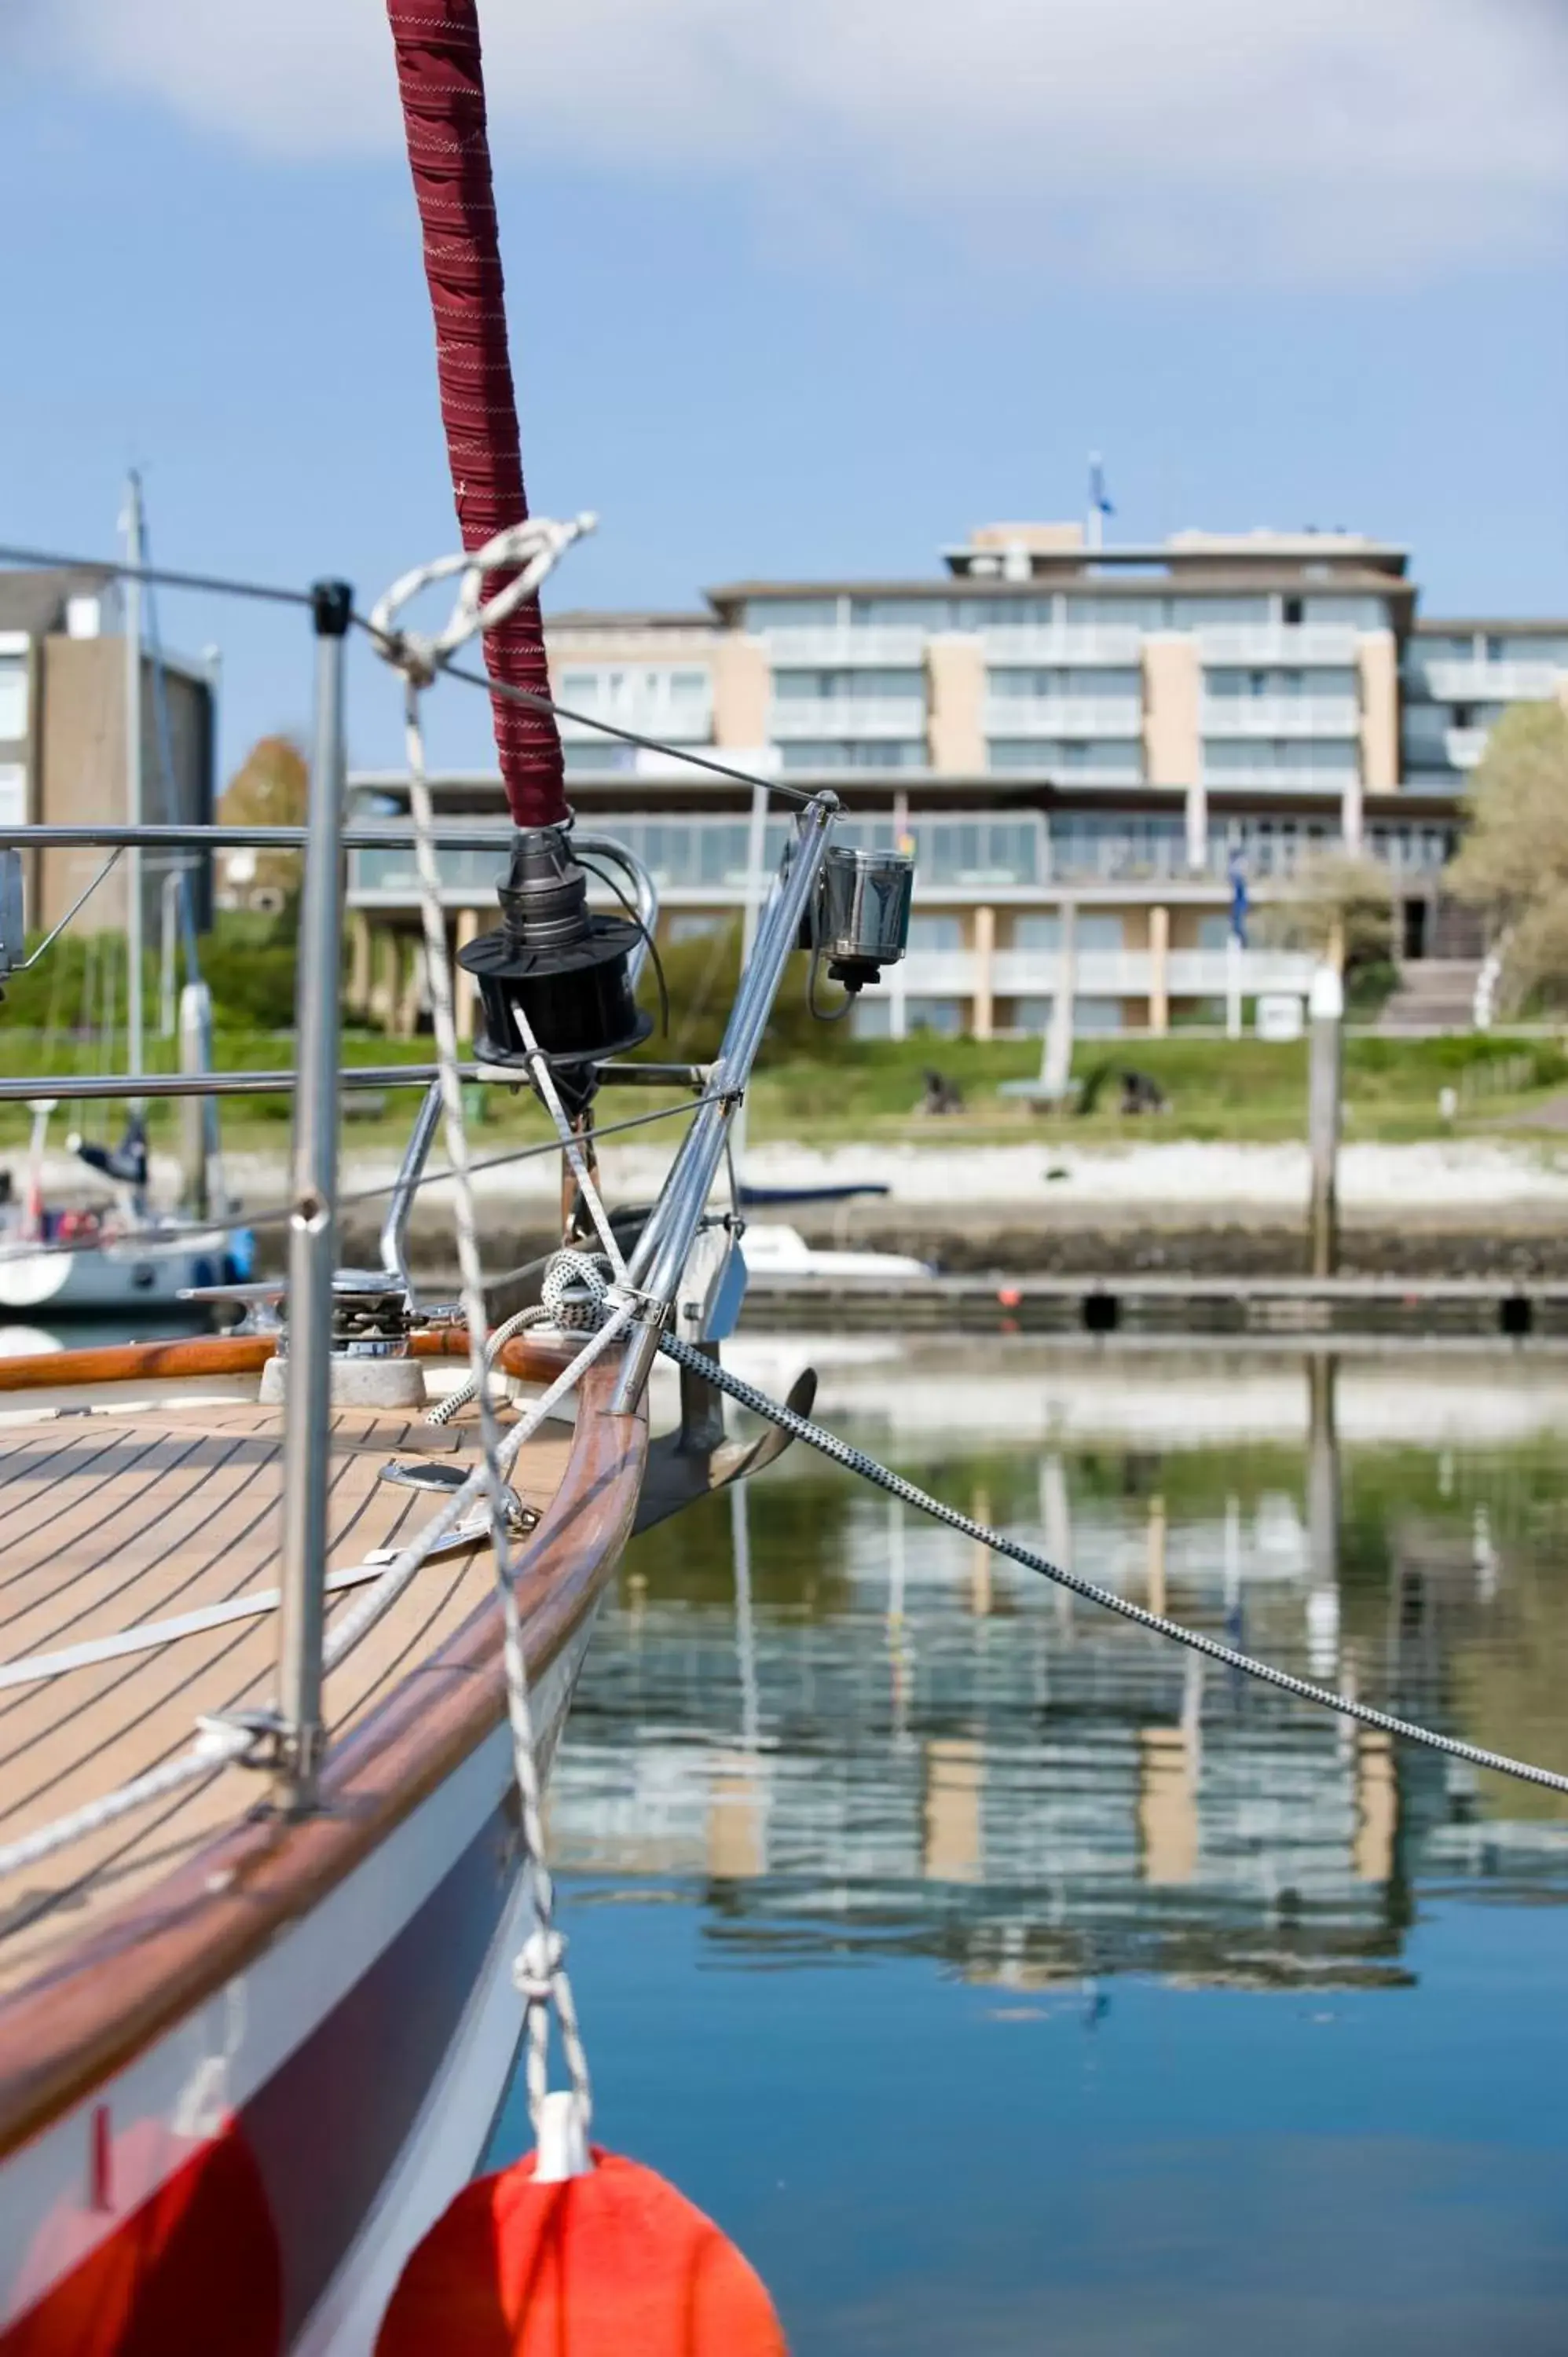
(540, 1971)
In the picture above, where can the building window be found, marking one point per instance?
(1094, 930)
(1542, 647)
(853, 753)
(1118, 760)
(1347, 613)
(1083, 680)
(871, 1018)
(942, 1016)
(1088, 1014)
(791, 614)
(1323, 680)
(13, 699)
(813, 686)
(977, 851)
(933, 933)
(900, 613)
(1289, 759)
(13, 798)
(602, 757)
(1292, 613)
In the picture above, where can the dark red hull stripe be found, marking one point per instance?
(235, 2251)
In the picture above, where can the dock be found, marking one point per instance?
(1496, 1309)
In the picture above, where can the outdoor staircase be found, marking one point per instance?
(1433, 995)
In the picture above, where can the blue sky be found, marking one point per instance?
(793, 291)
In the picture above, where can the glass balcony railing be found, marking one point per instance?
(705, 856)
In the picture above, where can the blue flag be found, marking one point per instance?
(1098, 499)
(1237, 900)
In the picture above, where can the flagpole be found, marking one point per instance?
(1099, 506)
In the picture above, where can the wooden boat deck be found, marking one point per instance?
(114, 1516)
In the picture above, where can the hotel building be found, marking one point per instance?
(1055, 727)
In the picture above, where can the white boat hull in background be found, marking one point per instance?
(131, 1274)
(779, 1254)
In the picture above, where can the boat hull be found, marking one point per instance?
(278, 2152)
(103, 1278)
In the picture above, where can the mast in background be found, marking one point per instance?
(135, 1046)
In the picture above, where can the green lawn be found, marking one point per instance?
(1241, 1090)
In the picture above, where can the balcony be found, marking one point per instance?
(1283, 776)
(1115, 717)
(1138, 855)
(793, 718)
(1280, 716)
(1451, 681)
(390, 879)
(1008, 856)
(1032, 644)
(1205, 974)
(1288, 644)
(649, 707)
(839, 647)
(1103, 974)
(1066, 763)
(966, 855)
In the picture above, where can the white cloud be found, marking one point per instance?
(1283, 138)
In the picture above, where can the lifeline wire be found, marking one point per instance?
(267, 592)
(855, 1460)
(179, 1231)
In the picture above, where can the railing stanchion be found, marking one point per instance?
(312, 1237)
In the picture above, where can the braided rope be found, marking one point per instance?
(855, 1460)
(541, 1970)
(534, 545)
(574, 1296)
(215, 1747)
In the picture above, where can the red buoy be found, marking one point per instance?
(611, 2264)
(193, 2268)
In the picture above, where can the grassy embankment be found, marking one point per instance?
(817, 1084)
(1244, 1091)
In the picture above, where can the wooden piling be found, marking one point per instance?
(1326, 1081)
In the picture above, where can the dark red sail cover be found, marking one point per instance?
(441, 82)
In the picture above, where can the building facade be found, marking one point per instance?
(1081, 744)
(62, 745)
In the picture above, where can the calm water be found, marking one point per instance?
(1004, 1984)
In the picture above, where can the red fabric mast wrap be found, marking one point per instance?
(441, 82)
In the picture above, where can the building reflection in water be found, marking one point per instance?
(851, 1727)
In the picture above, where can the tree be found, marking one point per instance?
(270, 787)
(1338, 904)
(1513, 862)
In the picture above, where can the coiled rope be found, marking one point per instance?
(856, 1460)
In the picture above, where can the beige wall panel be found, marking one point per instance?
(1378, 666)
(955, 669)
(1172, 687)
(740, 691)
